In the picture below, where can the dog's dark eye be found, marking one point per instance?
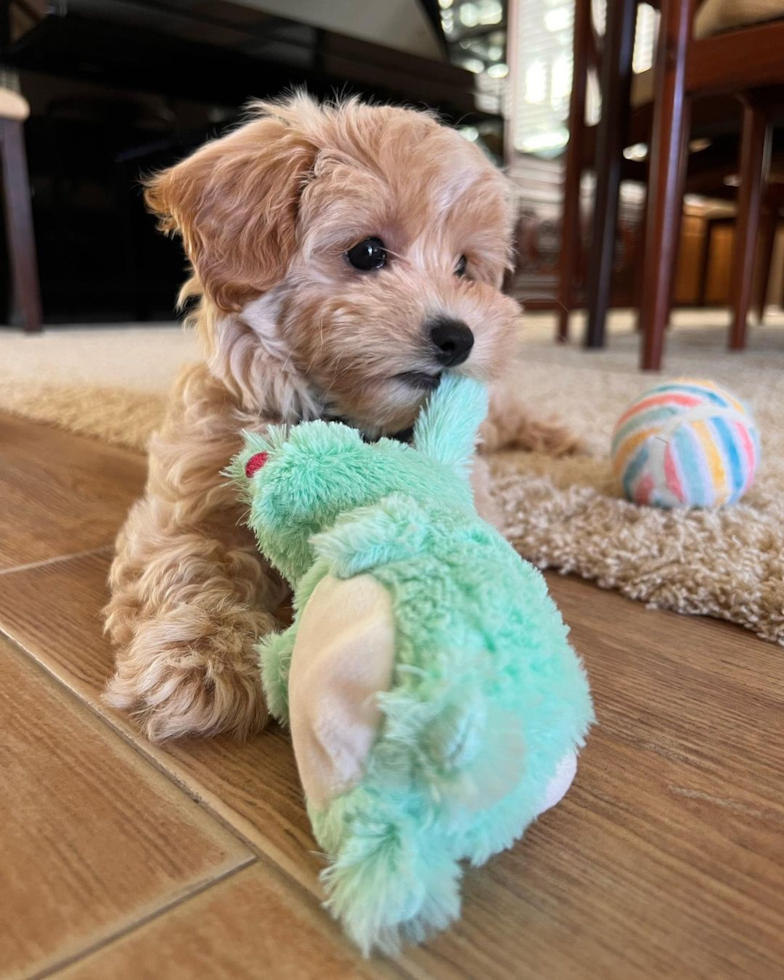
(368, 255)
(460, 268)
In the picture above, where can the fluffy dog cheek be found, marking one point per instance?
(493, 347)
(489, 357)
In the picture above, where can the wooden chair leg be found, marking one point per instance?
(669, 145)
(610, 139)
(19, 223)
(570, 225)
(754, 167)
(767, 238)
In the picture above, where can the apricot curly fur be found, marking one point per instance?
(290, 332)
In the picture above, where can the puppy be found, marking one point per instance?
(344, 256)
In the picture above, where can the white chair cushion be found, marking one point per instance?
(715, 16)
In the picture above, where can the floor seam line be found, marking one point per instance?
(53, 561)
(144, 920)
(144, 753)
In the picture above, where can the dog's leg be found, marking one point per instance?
(510, 425)
(190, 594)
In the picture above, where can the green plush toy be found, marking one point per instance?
(435, 704)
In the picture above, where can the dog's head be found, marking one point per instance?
(363, 247)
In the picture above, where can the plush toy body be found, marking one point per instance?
(435, 703)
(686, 443)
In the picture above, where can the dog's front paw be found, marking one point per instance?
(547, 436)
(510, 425)
(180, 676)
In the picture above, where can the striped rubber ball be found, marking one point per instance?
(685, 444)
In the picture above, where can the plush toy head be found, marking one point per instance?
(303, 478)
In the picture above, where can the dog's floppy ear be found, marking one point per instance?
(234, 201)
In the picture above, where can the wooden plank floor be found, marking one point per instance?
(122, 859)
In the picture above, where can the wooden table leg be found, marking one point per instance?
(19, 223)
(571, 238)
(669, 146)
(767, 238)
(616, 77)
(754, 167)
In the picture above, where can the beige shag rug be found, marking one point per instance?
(107, 382)
(563, 514)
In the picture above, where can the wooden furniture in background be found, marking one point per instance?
(736, 130)
(18, 210)
(772, 206)
(615, 83)
(571, 238)
(754, 170)
(626, 119)
(743, 63)
(714, 269)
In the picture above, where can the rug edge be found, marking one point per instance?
(118, 416)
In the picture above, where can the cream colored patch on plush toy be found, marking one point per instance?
(343, 657)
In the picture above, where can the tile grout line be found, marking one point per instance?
(53, 561)
(107, 721)
(148, 754)
(258, 854)
(144, 920)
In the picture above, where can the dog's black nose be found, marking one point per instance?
(453, 340)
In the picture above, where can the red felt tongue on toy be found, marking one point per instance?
(255, 463)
